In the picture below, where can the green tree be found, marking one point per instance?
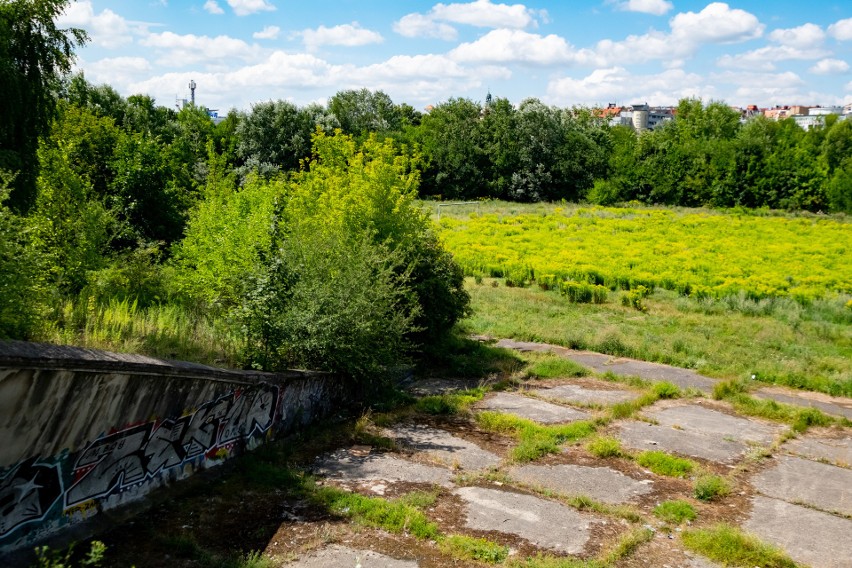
(34, 55)
(274, 136)
(362, 112)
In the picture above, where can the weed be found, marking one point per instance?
(450, 403)
(47, 558)
(396, 517)
(666, 390)
(710, 487)
(604, 447)
(800, 419)
(662, 463)
(419, 499)
(475, 548)
(553, 366)
(546, 561)
(627, 544)
(534, 440)
(675, 512)
(729, 545)
(255, 559)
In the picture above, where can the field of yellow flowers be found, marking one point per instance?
(697, 253)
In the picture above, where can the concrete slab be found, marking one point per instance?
(837, 451)
(429, 387)
(347, 465)
(600, 483)
(836, 405)
(810, 537)
(543, 523)
(600, 363)
(343, 557)
(531, 408)
(798, 480)
(644, 436)
(716, 424)
(443, 447)
(584, 395)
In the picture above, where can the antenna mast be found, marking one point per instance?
(192, 86)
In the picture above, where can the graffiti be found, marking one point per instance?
(134, 456)
(27, 493)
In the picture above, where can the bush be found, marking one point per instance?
(710, 487)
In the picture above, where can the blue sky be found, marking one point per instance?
(566, 53)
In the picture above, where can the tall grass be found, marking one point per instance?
(166, 331)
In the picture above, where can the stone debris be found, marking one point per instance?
(343, 557)
(532, 409)
(443, 447)
(600, 483)
(585, 395)
(544, 523)
(807, 536)
(345, 466)
(818, 485)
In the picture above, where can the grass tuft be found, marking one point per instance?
(534, 440)
(605, 447)
(627, 544)
(732, 547)
(662, 463)
(396, 517)
(552, 366)
(450, 403)
(472, 548)
(710, 487)
(675, 512)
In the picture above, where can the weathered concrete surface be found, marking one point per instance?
(811, 537)
(584, 395)
(684, 378)
(838, 406)
(644, 436)
(443, 447)
(348, 465)
(716, 424)
(600, 483)
(530, 408)
(838, 451)
(342, 557)
(428, 387)
(798, 480)
(544, 523)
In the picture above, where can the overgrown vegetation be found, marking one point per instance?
(662, 463)
(534, 440)
(709, 487)
(675, 512)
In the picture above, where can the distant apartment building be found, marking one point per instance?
(641, 117)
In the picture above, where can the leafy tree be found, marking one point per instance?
(34, 54)
(275, 135)
(363, 112)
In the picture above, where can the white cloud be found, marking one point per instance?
(213, 7)
(246, 7)
(829, 67)
(765, 58)
(802, 37)
(716, 23)
(617, 84)
(636, 49)
(106, 29)
(179, 50)
(769, 88)
(515, 46)
(350, 35)
(841, 30)
(418, 25)
(479, 13)
(269, 32)
(655, 7)
(117, 71)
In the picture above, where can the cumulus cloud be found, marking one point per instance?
(802, 37)
(479, 13)
(106, 28)
(419, 25)
(829, 67)
(118, 71)
(246, 7)
(269, 32)
(515, 46)
(350, 35)
(765, 58)
(716, 23)
(617, 84)
(841, 30)
(655, 7)
(213, 7)
(190, 49)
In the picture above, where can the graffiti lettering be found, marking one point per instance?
(134, 456)
(27, 493)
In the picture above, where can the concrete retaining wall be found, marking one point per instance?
(85, 431)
